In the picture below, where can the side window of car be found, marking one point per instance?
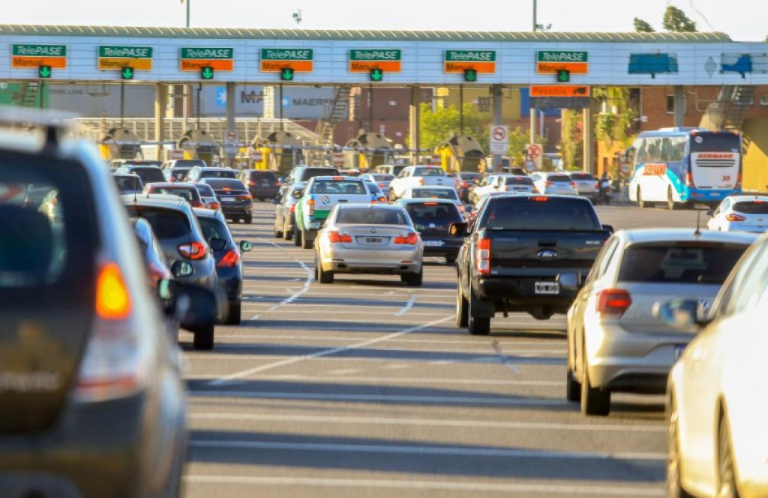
(753, 284)
(602, 261)
(735, 293)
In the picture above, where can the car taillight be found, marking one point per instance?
(539, 199)
(197, 204)
(738, 181)
(573, 184)
(735, 217)
(311, 205)
(251, 183)
(548, 184)
(231, 259)
(421, 181)
(292, 208)
(114, 364)
(483, 256)
(464, 185)
(214, 205)
(277, 183)
(689, 179)
(613, 302)
(411, 239)
(506, 188)
(337, 238)
(383, 199)
(382, 185)
(193, 250)
(597, 185)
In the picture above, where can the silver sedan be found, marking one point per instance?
(373, 239)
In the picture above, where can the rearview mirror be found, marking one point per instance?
(217, 244)
(681, 314)
(458, 229)
(245, 246)
(182, 269)
(297, 194)
(710, 213)
(570, 281)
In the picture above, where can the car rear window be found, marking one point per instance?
(470, 176)
(383, 178)
(518, 180)
(188, 163)
(372, 216)
(262, 175)
(428, 172)
(188, 193)
(49, 233)
(214, 229)
(425, 193)
(128, 183)
(433, 211)
(687, 262)
(559, 178)
(219, 184)
(224, 173)
(149, 175)
(166, 223)
(349, 187)
(530, 213)
(205, 190)
(581, 176)
(751, 207)
(179, 174)
(310, 173)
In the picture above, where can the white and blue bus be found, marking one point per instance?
(682, 166)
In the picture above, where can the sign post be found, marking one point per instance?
(499, 139)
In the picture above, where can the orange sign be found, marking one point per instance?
(27, 62)
(553, 68)
(559, 91)
(654, 169)
(277, 66)
(199, 64)
(366, 66)
(480, 67)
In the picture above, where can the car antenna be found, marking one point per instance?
(697, 233)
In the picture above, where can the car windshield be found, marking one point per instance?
(149, 175)
(166, 223)
(220, 184)
(128, 183)
(187, 193)
(350, 187)
(213, 228)
(512, 213)
(682, 262)
(428, 172)
(372, 216)
(435, 193)
(751, 207)
(427, 211)
(205, 190)
(218, 173)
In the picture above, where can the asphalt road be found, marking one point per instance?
(366, 389)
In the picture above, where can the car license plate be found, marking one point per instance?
(373, 240)
(433, 243)
(228, 199)
(547, 288)
(679, 349)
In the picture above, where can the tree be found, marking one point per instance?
(643, 26)
(677, 21)
(518, 141)
(572, 145)
(617, 124)
(438, 126)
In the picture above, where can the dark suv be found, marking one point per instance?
(261, 184)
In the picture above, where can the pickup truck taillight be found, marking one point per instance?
(483, 256)
(613, 302)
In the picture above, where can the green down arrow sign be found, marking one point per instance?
(287, 74)
(207, 73)
(44, 71)
(127, 73)
(377, 74)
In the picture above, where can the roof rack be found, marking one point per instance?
(53, 124)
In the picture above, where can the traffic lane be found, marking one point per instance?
(626, 217)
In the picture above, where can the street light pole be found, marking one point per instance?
(189, 2)
(186, 88)
(535, 21)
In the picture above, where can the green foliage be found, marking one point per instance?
(438, 126)
(677, 21)
(642, 26)
(518, 140)
(616, 124)
(572, 145)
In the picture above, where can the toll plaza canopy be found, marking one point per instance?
(267, 56)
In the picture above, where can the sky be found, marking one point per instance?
(743, 20)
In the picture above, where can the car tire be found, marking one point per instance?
(640, 201)
(462, 309)
(572, 387)
(726, 470)
(233, 317)
(278, 233)
(674, 486)
(248, 219)
(305, 243)
(296, 237)
(287, 234)
(324, 277)
(203, 340)
(594, 401)
(413, 279)
(477, 325)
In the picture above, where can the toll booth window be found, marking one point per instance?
(338, 187)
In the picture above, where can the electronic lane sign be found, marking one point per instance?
(197, 59)
(115, 58)
(375, 62)
(25, 56)
(277, 60)
(470, 63)
(554, 61)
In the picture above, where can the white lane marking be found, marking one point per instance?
(320, 354)
(396, 366)
(418, 449)
(407, 341)
(409, 380)
(409, 305)
(474, 487)
(394, 398)
(490, 424)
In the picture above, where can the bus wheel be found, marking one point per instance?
(670, 200)
(640, 201)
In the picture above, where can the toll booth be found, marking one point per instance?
(120, 143)
(368, 150)
(461, 153)
(280, 151)
(198, 144)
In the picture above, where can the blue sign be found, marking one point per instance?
(743, 65)
(221, 96)
(652, 64)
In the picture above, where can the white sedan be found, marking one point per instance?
(717, 394)
(554, 183)
(743, 213)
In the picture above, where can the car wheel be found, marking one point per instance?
(305, 243)
(203, 338)
(450, 260)
(572, 387)
(296, 237)
(233, 317)
(674, 487)
(248, 219)
(413, 279)
(726, 475)
(462, 309)
(594, 401)
(324, 277)
(670, 200)
(278, 233)
(475, 324)
(640, 201)
(287, 234)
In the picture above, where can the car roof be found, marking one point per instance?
(747, 198)
(138, 166)
(335, 177)
(214, 168)
(207, 213)
(156, 200)
(649, 235)
(173, 185)
(390, 207)
(431, 187)
(422, 201)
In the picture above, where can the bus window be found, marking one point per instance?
(673, 149)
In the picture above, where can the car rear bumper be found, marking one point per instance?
(741, 227)
(371, 261)
(518, 294)
(265, 192)
(236, 209)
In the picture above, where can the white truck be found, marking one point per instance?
(419, 176)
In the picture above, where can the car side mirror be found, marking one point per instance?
(681, 314)
(245, 246)
(217, 244)
(609, 228)
(182, 269)
(458, 229)
(297, 194)
(710, 213)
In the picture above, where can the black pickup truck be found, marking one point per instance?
(526, 253)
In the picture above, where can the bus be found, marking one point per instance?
(682, 166)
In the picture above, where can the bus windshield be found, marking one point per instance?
(715, 142)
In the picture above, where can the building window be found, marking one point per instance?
(671, 104)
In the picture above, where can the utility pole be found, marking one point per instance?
(532, 112)
(535, 21)
(187, 88)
